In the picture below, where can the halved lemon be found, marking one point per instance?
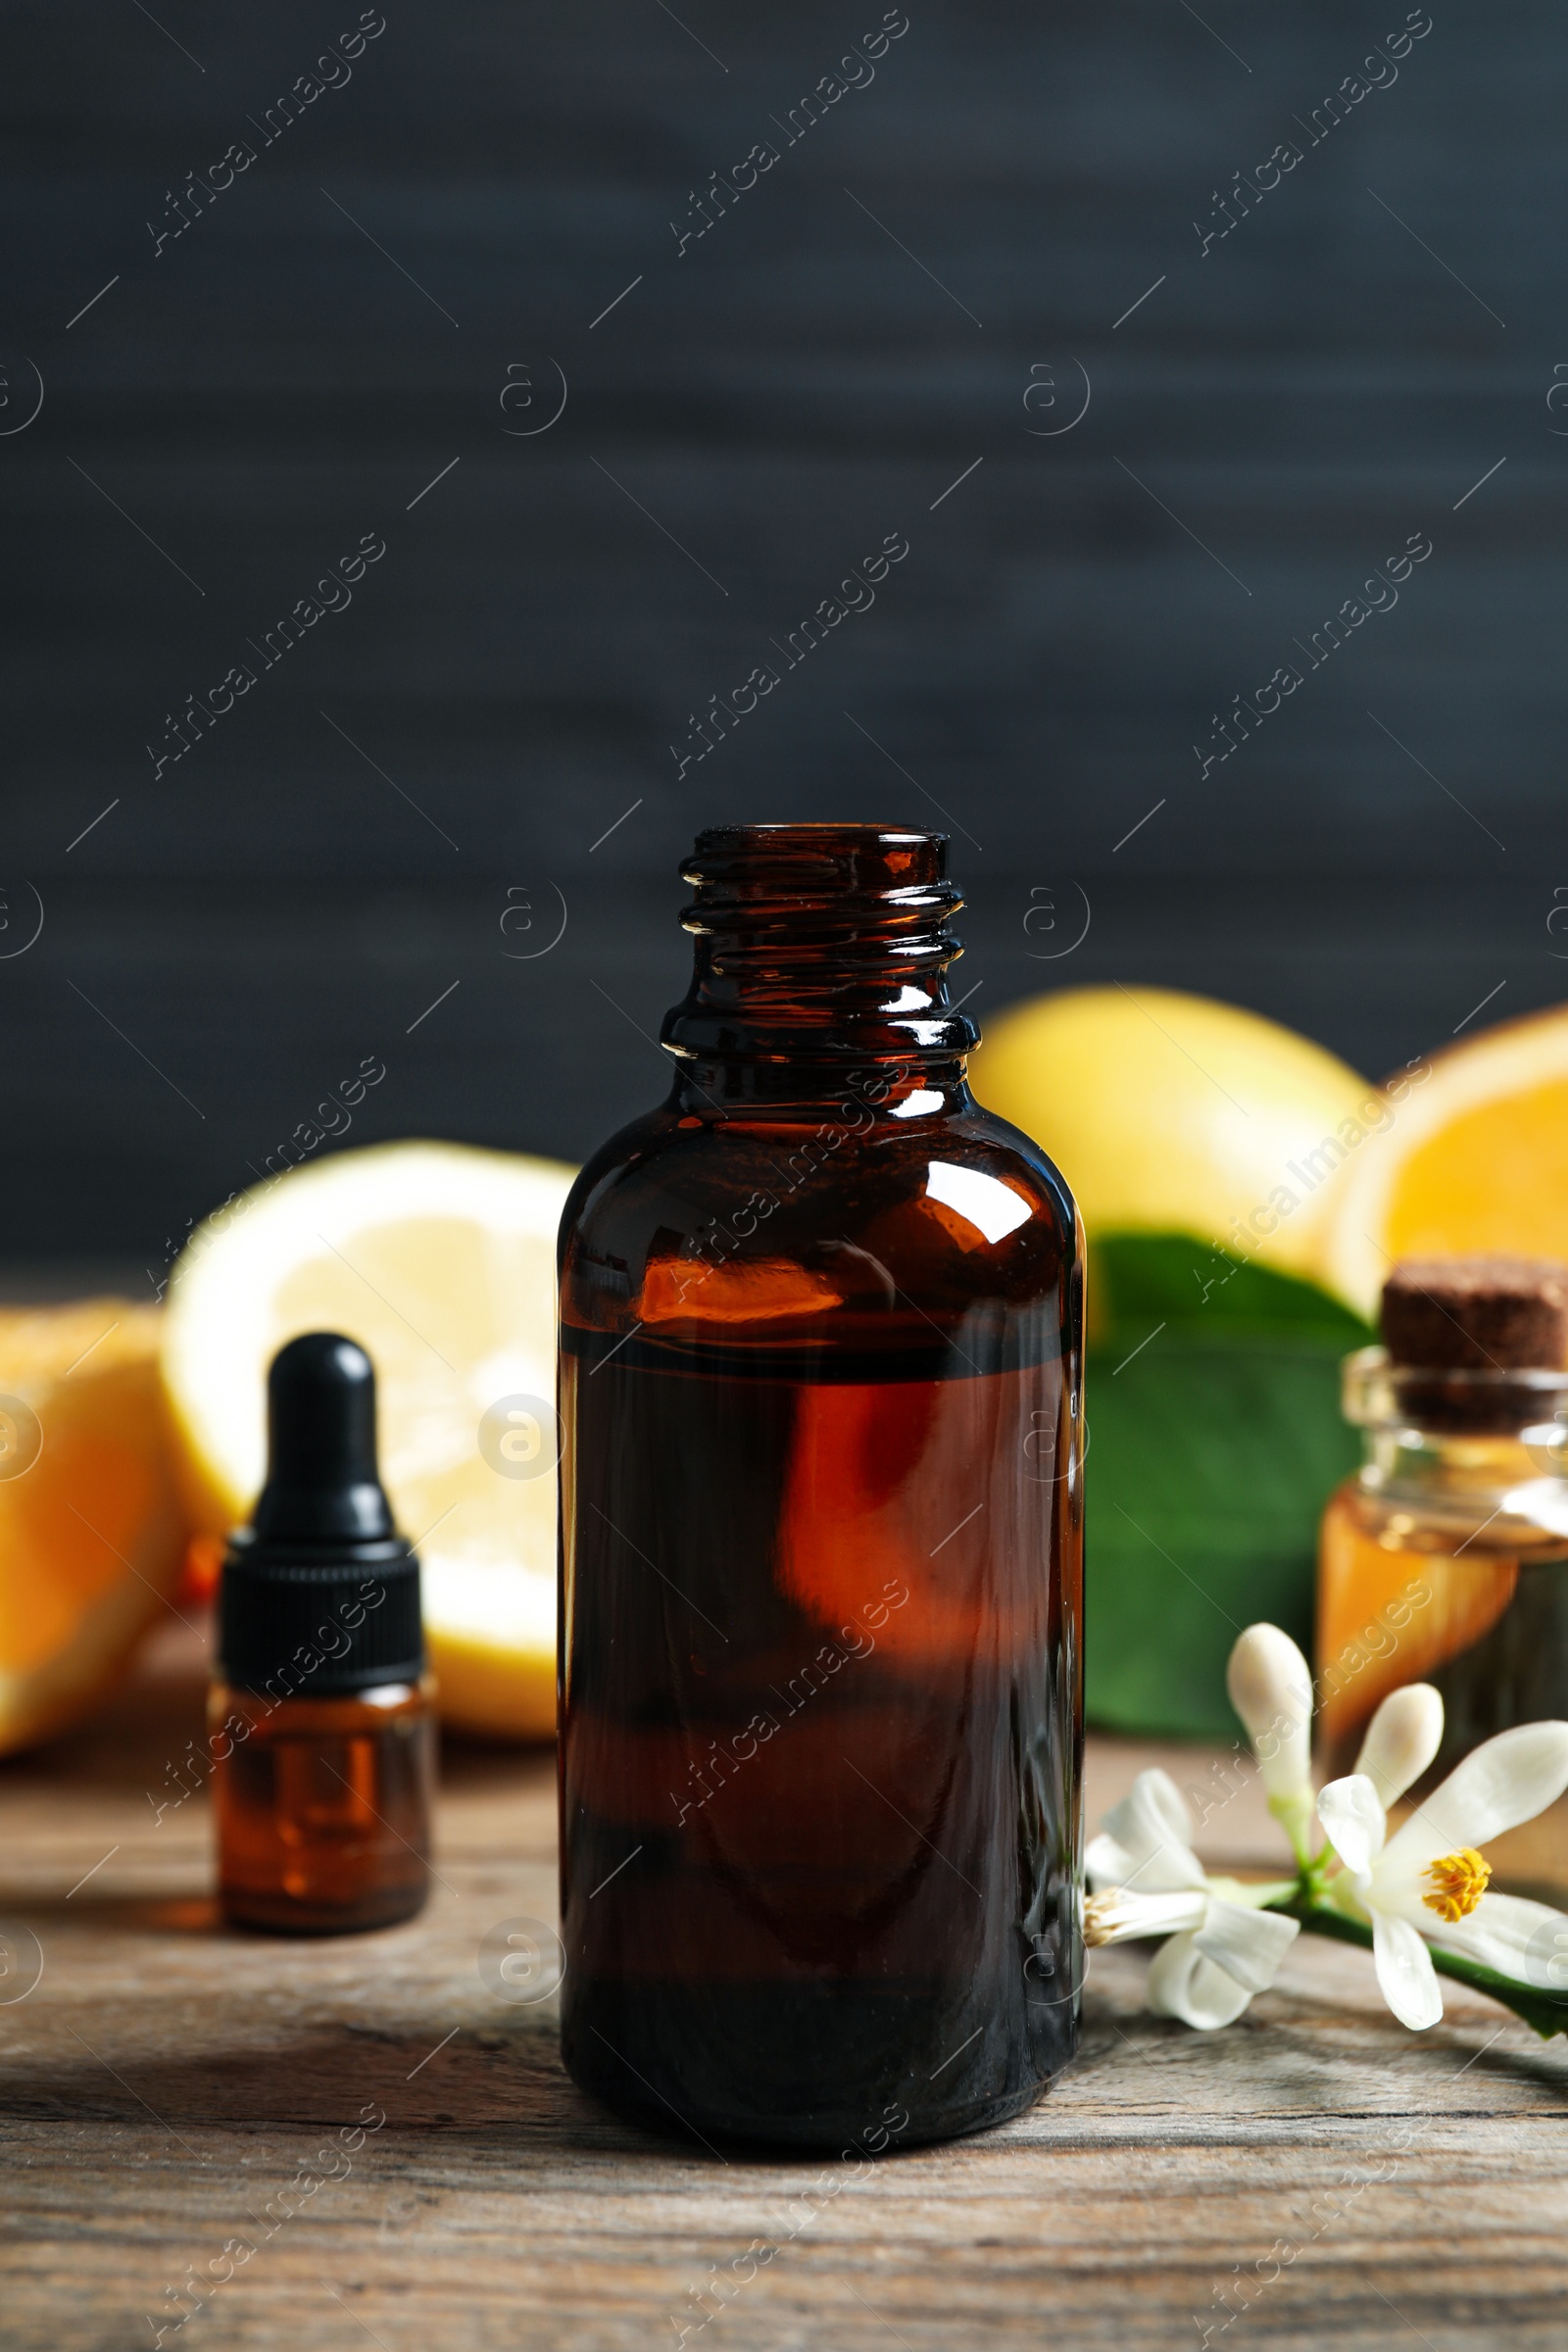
(92, 1531)
(1171, 1113)
(440, 1262)
(1474, 1157)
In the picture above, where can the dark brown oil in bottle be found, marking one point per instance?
(820, 1540)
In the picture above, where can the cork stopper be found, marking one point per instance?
(1485, 1314)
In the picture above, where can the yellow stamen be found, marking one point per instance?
(1461, 1880)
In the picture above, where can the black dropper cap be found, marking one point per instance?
(320, 1594)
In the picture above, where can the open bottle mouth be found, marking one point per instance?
(852, 871)
(1527, 1404)
(819, 942)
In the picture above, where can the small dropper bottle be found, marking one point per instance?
(320, 1721)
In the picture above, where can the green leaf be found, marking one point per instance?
(1172, 1276)
(1215, 1439)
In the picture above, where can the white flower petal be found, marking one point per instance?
(1401, 1740)
(1106, 1863)
(1501, 1783)
(1183, 1984)
(1150, 1830)
(1405, 1972)
(1354, 1820)
(1525, 1941)
(1248, 1943)
(1120, 1914)
(1271, 1690)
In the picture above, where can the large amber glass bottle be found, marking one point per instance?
(821, 1506)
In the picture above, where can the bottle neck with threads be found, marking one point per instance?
(821, 965)
(1483, 1445)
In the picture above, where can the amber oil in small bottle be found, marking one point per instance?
(320, 1721)
(1445, 1558)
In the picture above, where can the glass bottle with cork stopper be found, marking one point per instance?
(320, 1721)
(820, 1682)
(1445, 1558)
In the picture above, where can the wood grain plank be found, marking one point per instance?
(166, 2082)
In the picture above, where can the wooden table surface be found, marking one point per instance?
(166, 2081)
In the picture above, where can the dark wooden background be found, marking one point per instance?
(273, 384)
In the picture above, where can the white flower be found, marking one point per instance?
(1270, 1688)
(1149, 1882)
(1401, 1740)
(1429, 1880)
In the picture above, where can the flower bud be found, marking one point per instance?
(1271, 1691)
(1401, 1740)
